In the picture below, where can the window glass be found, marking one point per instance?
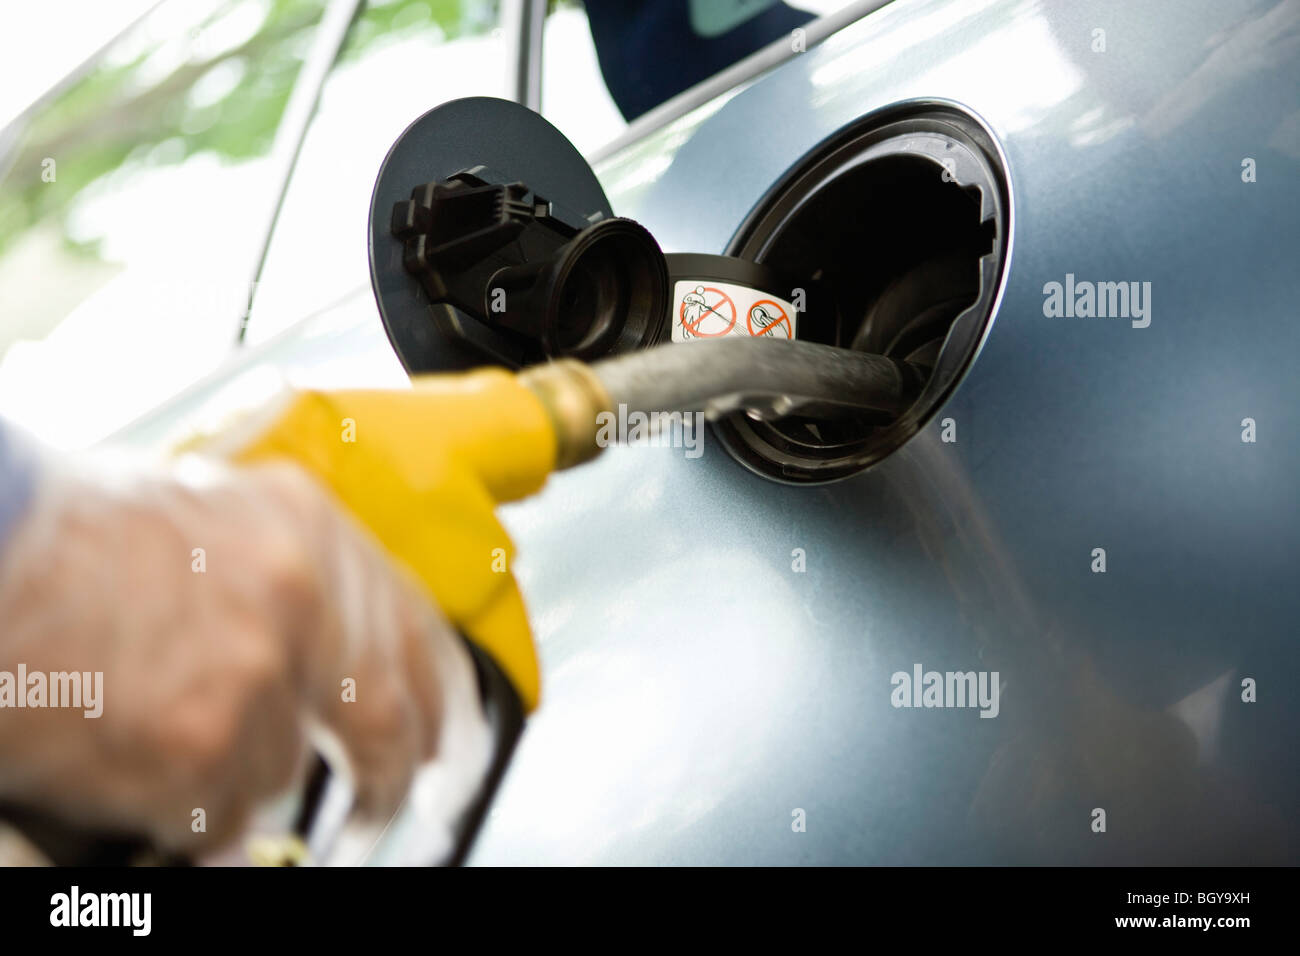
(402, 59)
(606, 62)
(124, 204)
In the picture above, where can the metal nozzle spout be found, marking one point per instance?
(573, 397)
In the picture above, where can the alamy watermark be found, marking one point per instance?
(1102, 300)
(78, 689)
(922, 688)
(656, 429)
(74, 908)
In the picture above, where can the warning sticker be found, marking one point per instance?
(707, 309)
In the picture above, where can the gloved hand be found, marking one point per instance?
(213, 661)
(424, 468)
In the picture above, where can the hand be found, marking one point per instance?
(226, 615)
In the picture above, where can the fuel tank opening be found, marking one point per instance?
(902, 222)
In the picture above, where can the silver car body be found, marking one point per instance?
(706, 701)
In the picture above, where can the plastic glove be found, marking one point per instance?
(423, 468)
(214, 661)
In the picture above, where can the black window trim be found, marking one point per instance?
(742, 71)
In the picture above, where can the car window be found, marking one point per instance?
(401, 59)
(607, 62)
(132, 203)
(123, 209)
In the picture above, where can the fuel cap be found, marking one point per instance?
(491, 240)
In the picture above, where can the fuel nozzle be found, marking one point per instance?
(512, 263)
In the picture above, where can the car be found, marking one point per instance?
(1051, 619)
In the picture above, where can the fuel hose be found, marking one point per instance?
(766, 377)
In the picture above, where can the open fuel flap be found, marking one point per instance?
(904, 220)
(491, 241)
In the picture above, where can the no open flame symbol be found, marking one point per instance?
(710, 312)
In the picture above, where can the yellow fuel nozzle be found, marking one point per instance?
(423, 469)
